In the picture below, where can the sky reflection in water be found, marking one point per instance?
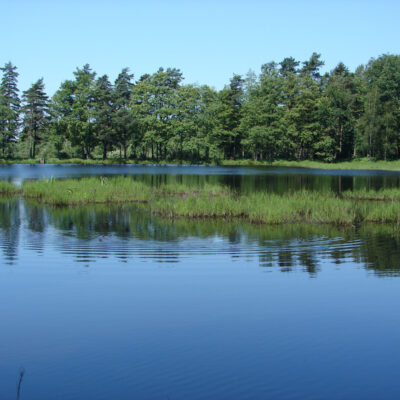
(110, 302)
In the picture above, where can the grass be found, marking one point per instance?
(109, 191)
(218, 202)
(357, 164)
(8, 189)
(91, 161)
(363, 163)
(266, 208)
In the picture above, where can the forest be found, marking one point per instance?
(289, 111)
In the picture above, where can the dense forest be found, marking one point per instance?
(288, 111)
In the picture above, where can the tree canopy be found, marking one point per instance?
(290, 110)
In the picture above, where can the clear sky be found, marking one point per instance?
(207, 40)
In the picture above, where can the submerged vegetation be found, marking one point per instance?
(219, 202)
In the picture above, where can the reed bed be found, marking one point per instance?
(364, 163)
(61, 192)
(390, 194)
(215, 201)
(8, 189)
(357, 164)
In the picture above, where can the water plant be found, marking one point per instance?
(216, 201)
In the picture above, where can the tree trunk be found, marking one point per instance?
(104, 151)
(30, 146)
(34, 148)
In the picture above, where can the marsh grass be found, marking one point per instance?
(96, 161)
(268, 208)
(363, 163)
(8, 189)
(104, 190)
(390, 194)
(219, 202)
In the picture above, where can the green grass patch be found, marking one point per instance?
(8, 189)
(93, 161)
(363, 163)
(218, 202)
(62, 192)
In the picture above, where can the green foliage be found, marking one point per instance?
(35, 115)
(9, 109)
(289, 111)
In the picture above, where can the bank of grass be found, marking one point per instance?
(358, 164)
(218, 202)
(63, 192)
(388, 195)
(268, 208)
(8, 189)
(92, 161)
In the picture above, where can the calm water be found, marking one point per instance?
(107, 302)
(245, 179)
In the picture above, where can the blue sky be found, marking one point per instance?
(207, 40)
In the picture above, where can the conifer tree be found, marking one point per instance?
(35, 115)
(9, 108)
(124, 121)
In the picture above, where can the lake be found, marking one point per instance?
(244, 179)
(111, 302)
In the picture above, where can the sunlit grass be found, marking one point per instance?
(217, 201)
(7, 189)
(363, 163)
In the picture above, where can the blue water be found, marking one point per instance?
(245, 179)
(113, 303)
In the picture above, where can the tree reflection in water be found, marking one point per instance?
(127, 232)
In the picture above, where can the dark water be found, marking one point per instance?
(113, 303)
(245, 179)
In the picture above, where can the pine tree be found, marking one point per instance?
(103, 108)
(35, 115)
(124, 121)
(9, 108)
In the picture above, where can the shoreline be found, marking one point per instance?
(362, 164)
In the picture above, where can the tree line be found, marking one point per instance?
(287, 111)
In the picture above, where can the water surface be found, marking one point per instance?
(109, 302)
(245, 179)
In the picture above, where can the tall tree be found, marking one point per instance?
(35, 115)
(73, 108)
(231, 101)
(338, 113)
(288, 66)
(312, 66)
(9, 108)
(379, 126)
(124, 121)
(103, 109)
(154, 103)
(262, 113)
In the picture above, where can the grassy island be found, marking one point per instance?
(208, 201)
